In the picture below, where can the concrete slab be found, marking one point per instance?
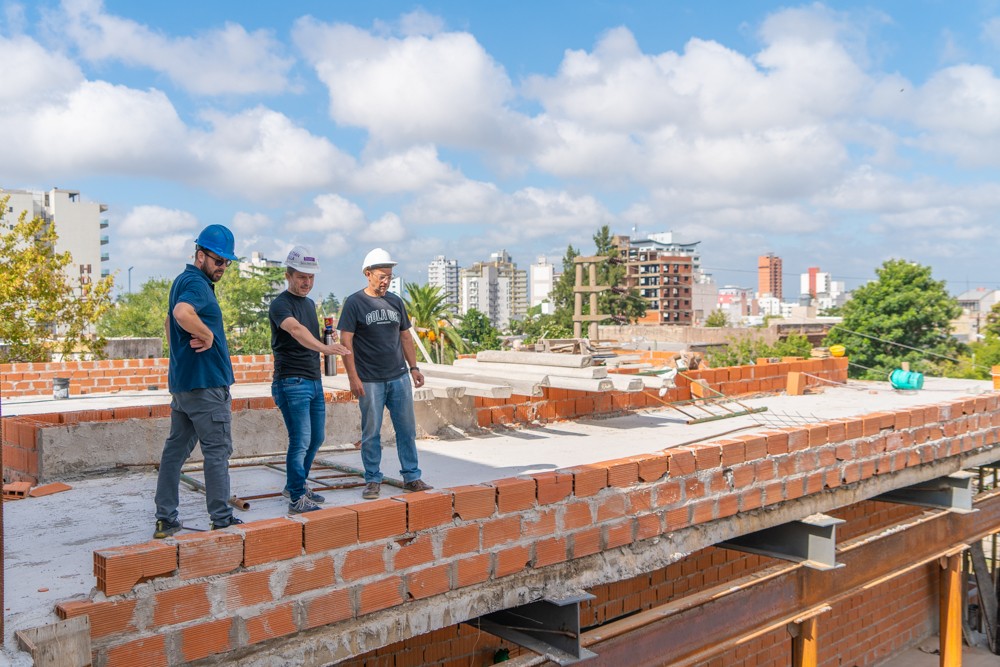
(49, 540)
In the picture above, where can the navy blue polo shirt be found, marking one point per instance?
(188, 369)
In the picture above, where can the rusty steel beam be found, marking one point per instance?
(685, 630)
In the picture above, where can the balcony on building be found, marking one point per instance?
(104, 223)
(105, 257)
(105, 240)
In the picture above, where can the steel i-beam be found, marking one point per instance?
(811, 541)
(952, 492)
(550, 627)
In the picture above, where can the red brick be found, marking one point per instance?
(798, 439)
(148, 652)
(588, 479)
(413, 552)
(549, 552)
(647, 526)
(586, 542)
(682, 461)
(106, 618)
(429, 581)
(474, 502)
(612, 507)
(514, 494)
(706, 456)
(270, 540)
(378, 519)
(363, 562)
(180, 605)
(640, 500)
(703, 511)
(777, 442)
(309, 575)
(577, 515)
(540, 524)
(381, 595)
(205, 639)
(500, 531)
(205, 554)
(272, 623)
(733, 452)
(512, 561)
(677, 518)
(553, 486)
(618, 534)
(247, 589)
(819, 434)
(427, 509)
(652, 466)
(118, 569)
(667, 493)
(473, 570)
(460, 540)
(329, 528)
(329, 607)
(622, 472)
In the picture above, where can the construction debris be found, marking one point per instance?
(49, 489)
(16, 490)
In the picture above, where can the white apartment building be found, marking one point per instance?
(822, 290)
(542, 277)
(443, 273)
(79, 224)
(496, 288)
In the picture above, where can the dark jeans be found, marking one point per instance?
(396, 396)
(304, 411)
(203, 415)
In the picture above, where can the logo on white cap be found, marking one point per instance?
(302, 260)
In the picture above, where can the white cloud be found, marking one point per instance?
(251, 223)
(387, 229)
(991, 32)
(442, 88)
(334, 214)
(151, 221)
(227, 60)
(261, 153)
(25, 64)
(155, 239)
(411, 170)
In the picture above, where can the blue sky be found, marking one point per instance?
(836, 135)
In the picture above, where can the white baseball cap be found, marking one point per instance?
(300, 259)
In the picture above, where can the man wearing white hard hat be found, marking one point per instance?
(297, 387)
(375, 327)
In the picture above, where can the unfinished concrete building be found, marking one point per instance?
(813, 522)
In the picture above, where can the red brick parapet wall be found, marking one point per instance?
(217, 592)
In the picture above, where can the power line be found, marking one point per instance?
(908, 347)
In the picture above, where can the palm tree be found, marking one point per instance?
(430, 313)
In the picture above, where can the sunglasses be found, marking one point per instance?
(219, 261)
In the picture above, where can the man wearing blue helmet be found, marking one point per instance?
(199, 376)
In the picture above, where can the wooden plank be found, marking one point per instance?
(62, 644)
(987, 592)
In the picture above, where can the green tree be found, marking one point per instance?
(41, 312)
(903, 315)
(561, 295)
(536, 326)
(430, 313)
(478, 332)
(244, 298)
(717, 318)
(744, 350)
(330, 305)
(139, 314)
(619, 301)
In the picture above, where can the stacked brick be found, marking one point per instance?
(556, 404)
(218, 592)
(111, 375)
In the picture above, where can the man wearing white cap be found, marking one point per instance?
(376, 329)
(297, 387)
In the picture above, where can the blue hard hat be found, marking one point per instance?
(219, 240)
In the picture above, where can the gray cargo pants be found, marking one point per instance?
(203, 415)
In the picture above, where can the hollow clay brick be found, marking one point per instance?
(118, 569)
(329, 528)
(378, 519)
(205, 554)
(427, 509)
(270, 540)
(429, 581)
(474, 501)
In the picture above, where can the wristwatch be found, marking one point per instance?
(414, 368)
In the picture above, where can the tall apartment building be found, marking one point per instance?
(769, 276)
(664, 272)
(443, 273)
(542, 276)
(496, 288)
(79, 224)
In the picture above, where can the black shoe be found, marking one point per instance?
(226, 523)
(165, 528)
(417, 485)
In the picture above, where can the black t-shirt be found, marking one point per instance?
(291, 359)
(376, 323)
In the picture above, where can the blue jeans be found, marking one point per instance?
(199, 415)
(304, 411)
(396, 396)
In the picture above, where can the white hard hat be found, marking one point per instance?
(300, 259)
(377, 257)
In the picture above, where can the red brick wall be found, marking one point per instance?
(347, 562)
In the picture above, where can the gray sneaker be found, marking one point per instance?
(313, 496)
(303, 504)
(372, 489)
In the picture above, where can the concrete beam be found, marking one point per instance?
(542, 358)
